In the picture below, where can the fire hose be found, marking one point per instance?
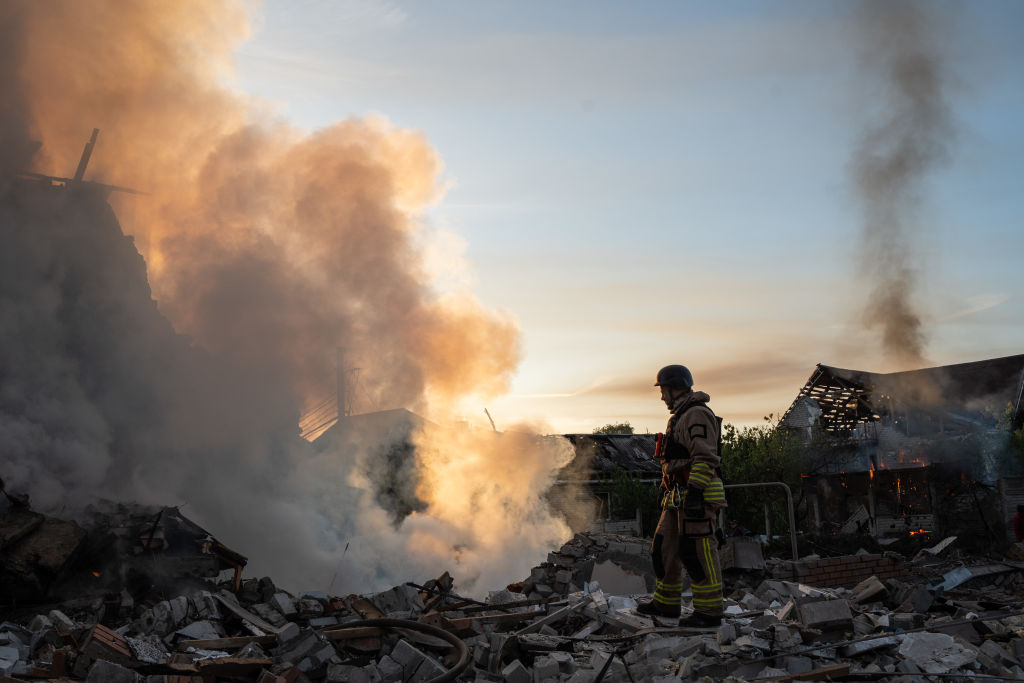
(457, 642)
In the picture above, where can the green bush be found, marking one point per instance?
(763, 453)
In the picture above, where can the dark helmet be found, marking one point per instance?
(674, 377)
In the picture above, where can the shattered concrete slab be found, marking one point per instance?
(583, 622)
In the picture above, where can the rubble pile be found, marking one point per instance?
(572, 620)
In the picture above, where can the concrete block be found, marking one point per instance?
(856, 649)
(907, 666)
(998, 653)
(399, 599)
(619, 603)
(765, 621)
(964, 632)
(660, 648)
(317, 658)
(107, 672)
(565, 661)
(40, 622)
(343, 673)
(786, 638)
(935, 653)
(269, 613)
(299, 648)
(867, 590)
(284, 604)
(200, 630)
(796, 664)
(206, 605)
(482, 655)
(179, 610)
(46, 636)
(826, 615)
(616, 669)
(408, 657)
(1017, 648)
(9, 658)
(61, 621)
(310, 608)
(390, 670)
(288, 633)
(545, 668)
(515, 672)
(581, 676)
(751, 602)
(726, 634)
(429, 670)
(162, 620)
(754, 641)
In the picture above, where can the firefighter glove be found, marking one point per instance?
(693, 503)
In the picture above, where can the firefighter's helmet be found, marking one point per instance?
(674, 377)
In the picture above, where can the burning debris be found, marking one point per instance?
(918, 452)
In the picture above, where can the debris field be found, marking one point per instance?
(938, 615)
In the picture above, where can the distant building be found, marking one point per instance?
(917, 451)
(585, 491)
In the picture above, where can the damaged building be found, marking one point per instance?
(589, 490)
(924, 451)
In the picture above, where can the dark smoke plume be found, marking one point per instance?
(171, 365)
(901, 45)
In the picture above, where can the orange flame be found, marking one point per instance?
(96, 574)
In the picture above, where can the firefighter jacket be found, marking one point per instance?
(691, 451)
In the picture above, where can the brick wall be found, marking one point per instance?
(847, 570)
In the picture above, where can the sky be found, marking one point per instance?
(640, 184)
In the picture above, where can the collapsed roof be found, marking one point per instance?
(950, 398)
(601, 455)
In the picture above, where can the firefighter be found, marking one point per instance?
(692, 496)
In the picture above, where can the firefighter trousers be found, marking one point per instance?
(676, 548)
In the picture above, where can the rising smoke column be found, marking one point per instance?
(265, 247)
(901, 53)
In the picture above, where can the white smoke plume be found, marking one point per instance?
(901, 43)
(265, 248)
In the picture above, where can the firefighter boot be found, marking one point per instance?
(653, 608)
(700, 622)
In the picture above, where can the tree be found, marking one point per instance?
(763, 453)
(615, 428)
